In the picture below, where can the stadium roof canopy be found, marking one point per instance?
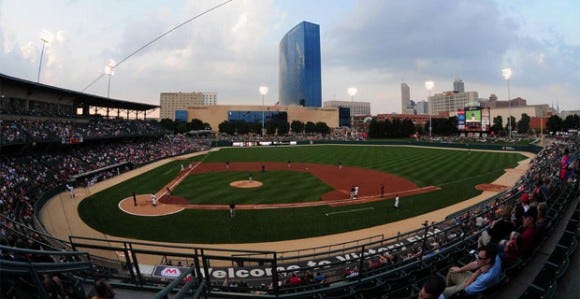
(80, 98)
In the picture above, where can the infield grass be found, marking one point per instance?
(456, 172)
(214, 188)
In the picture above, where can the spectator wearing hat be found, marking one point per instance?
(521, 209)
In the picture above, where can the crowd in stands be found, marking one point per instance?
(502, 231)
(23, 179)
(50, 130)
(506, 229)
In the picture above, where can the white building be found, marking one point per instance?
(177, 102)
(356, 108)
(451, 101)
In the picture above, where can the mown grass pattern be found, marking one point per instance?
(278, 186)
(457, 172)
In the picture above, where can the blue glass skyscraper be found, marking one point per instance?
(300, 80)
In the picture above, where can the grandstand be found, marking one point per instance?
(44, 150)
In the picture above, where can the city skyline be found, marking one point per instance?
(371, 45)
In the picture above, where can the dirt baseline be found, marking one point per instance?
(340, 178)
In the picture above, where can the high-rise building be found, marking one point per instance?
(174, 104)
(300, 80)
(422, 107)
(406, 105)
(458, 86)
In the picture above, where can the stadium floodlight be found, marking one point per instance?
(352, 92)
(263, 91)
(429, 86)
(45, 37)
(507, 74)
(110, 71)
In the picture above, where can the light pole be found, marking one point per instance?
(45, 37)
(507, 74)
(110, 71)
(429, 86)
(263, 91)
(351, 92)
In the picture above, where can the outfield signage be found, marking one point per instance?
(263, 272)
(262, 143)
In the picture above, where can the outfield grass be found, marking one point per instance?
(456, 172)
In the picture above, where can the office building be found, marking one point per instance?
(451, 101)
(174, 104)
(214, 115)
(406, 104)
(356, 108)
(458, 86)
(300, 81)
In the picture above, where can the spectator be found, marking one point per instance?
(433, 288)
(103, 290)
(499, 229)
(528, 238)
(477, 276)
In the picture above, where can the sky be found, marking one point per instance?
(373, 45)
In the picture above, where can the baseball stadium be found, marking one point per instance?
(165, 215)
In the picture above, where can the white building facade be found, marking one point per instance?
(450, 101)
(356, 108)
(172, 102)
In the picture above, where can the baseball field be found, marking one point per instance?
(304, 192)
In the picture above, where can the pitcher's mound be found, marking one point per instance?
(246, 184)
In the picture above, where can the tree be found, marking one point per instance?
(374, 129)
(196, 124)
(322, 128)
(181, 127)
(270, 127)
(407, 128)
(226, 127)
(572, 122)
(554, 124)
(524, 124)
(388, 129)
(497, 126)
(168, 124)
(283, 128)
(310, 127)
(297, 126)
(396, 128)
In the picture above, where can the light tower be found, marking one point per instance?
(263, 91)
(429, 86)
(352, 92)
(507, 74)
(110, 71)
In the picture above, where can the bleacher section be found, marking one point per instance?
(375, 268)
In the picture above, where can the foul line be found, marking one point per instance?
(348, 211)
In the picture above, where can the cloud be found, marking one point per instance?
(371, 44)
